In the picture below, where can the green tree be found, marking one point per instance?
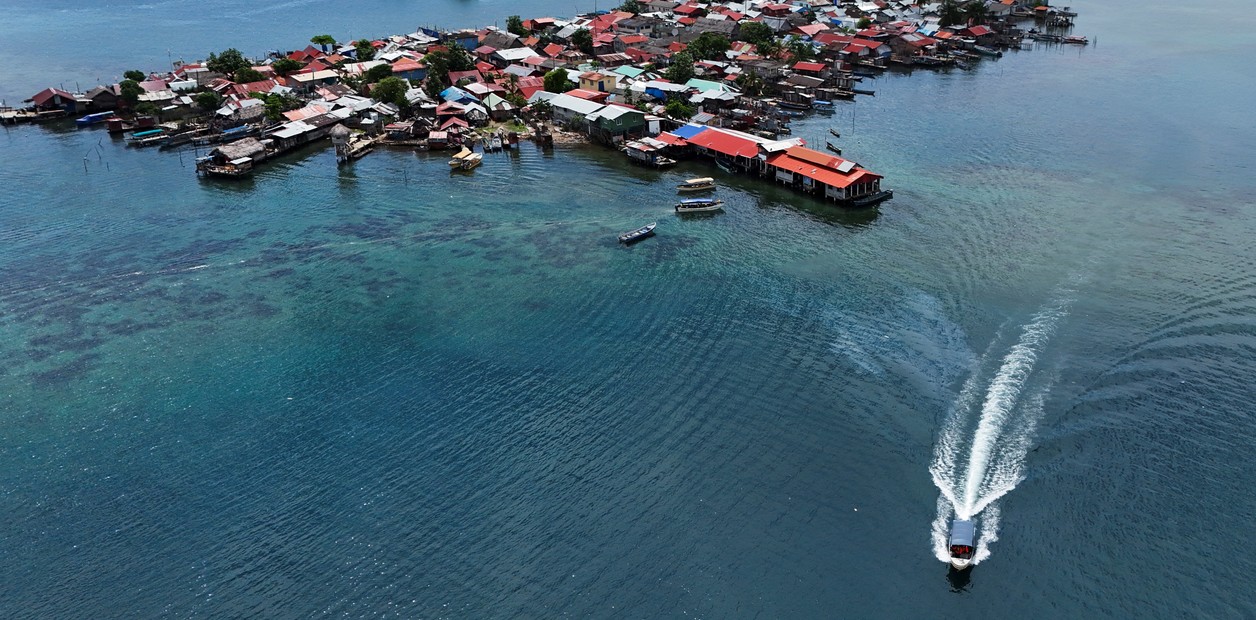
(756, 33)
(864, 22)
(323, 40)
(632, 6)
(583, 40)
(679, 110)
(208, 100)
(131, 91)
(276, 104)
(228, 62)
(952, 13)
(440, 63)
(708, 45)
(135, 75)
(365, 51)
(147, 108)
(514, 25)
(556, 81)
(285, 66)
(248, 74)
(391, 90)
(799, 49)
(681, 69)
(377, 73)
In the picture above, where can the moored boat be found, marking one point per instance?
(961, 543)
(699, 205)
(634, 236)
(828, 144)
(471, 161)
(696, 185)
(92, 119)
(1075, 40)
(147, 138)
(457, 160)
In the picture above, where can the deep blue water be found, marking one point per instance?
(383, 390)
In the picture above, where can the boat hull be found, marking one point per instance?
(707, 209)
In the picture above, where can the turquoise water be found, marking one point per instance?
(386, 390)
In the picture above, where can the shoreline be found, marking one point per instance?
(658, 80)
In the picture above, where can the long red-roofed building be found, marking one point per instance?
(831, 177)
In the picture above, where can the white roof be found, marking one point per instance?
(516, 53)
(611, 112)
(291, 130)
(575, 104)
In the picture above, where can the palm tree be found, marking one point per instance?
(976, 11)
(952, 13)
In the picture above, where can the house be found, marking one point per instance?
(814, 69)
(568, 110)
(104, 97)
(831, 177)
(599, 82)
(983, 35)
(615, 121)
(624, 41)
(307, 82)
(55, 99)
(912, 44)
(611, 61)
(409, 69)
(504, 57)
(501, 39)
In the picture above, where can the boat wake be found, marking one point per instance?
(980, 452)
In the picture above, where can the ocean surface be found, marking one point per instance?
(388, 391)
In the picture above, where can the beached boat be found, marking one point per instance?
(634, 236)
(696, 185)
(457, 159)
(92, 119)
(699, 205)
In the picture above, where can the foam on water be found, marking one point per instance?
(980, 452)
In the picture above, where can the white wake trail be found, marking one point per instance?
(1001, 436)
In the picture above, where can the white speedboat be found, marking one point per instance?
(961, 547)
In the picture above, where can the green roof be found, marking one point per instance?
(705, 85)
(628, 71)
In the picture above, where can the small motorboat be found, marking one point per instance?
(699, 205)
(696, 185)
(471, 161)
(961, 546)
(634, 236)
(457, 160)
(835, 133)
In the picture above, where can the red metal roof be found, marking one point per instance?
(671, 139)
(818, 166)
(809, 66)
(726, 143)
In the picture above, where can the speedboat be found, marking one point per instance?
(634, 236)
(699, 205)
(961, 547)
(696, 185)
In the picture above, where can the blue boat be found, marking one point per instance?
(92, 119)
(634, 236)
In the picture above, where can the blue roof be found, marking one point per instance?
(689, 131)
(453, 93)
